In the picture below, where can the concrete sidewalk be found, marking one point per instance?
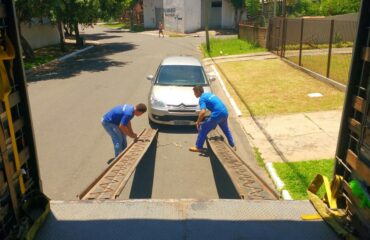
(294, 137)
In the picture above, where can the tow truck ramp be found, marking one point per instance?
(185, 219)
(111, 182)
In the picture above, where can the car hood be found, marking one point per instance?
(176, 95)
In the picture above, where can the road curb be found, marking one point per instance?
(279, 184)
(74, 53)
(61, 59)
(231, 99)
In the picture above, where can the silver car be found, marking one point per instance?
(171, 98)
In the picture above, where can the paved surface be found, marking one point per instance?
(183, 219)
(295, 137)
(68, 99)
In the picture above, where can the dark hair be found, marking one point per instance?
(141, 107)
(198, 89)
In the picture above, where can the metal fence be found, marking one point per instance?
(321, 45)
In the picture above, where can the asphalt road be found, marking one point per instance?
(67, 102)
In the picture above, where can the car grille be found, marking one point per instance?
(167, 118)
(182, 108)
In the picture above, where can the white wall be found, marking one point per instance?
(174, 15)
(40, 35)
(149, 12)
(228, 13)
(193, 12)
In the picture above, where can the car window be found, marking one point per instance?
(181, 76)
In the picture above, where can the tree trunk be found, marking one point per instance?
(66, 30)
(236, 18)
(27, 49)
(132, 20)
(79, 40)
(61, 36)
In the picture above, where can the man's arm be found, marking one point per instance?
(127, 130)
(201, 115)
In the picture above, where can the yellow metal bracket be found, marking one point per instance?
(5, 89)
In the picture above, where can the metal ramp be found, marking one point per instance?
(183, 219)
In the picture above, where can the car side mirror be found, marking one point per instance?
(150, 77)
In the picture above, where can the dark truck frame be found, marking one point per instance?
(353, 149)
(17, 207)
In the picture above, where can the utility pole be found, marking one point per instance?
(206, 24)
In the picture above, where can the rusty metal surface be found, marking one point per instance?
(248, 184)
(111, 182)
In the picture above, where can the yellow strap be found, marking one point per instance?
(5, 89)
(314, 216)
(328, 210)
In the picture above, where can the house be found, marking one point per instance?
(188, 15)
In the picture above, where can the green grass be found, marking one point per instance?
(259, 158)
(298, 175)
(117, 25)
(318, 46)
(229, 46)
(339, 69)
(47, 54)
(273, 87)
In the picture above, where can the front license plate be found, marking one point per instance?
(182, 122)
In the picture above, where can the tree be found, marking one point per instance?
(239, 7)
(253, 8)
(75, 12)
(29, 11)
(335, 7)
(323, 7)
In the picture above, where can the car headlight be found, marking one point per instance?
(156, 103)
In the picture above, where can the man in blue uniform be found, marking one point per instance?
(218, 116)
(117, 123)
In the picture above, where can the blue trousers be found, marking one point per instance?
(118, 138)
(208, 125)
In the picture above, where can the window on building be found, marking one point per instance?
(216, 4)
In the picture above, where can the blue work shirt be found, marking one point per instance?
(120, 114)
(214, 104)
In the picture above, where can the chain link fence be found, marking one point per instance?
(321, 45)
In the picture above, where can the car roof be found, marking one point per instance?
(181, 60)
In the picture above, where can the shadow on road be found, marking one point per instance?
(120, 30)
(94, 60)
(101, 36)
(174, 129)
(142, 185)
(224, 185)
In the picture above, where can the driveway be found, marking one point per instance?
(68, 99)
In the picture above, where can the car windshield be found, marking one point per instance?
(176, 75)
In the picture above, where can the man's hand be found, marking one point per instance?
(198, 125)
(135, 137)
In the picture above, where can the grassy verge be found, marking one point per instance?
(117, 25)
(47, 54)
(339, 69)
(298, 175)
(262, 86)
(318, 46)
(229, 46)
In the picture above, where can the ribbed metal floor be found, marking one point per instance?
(183, 219)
